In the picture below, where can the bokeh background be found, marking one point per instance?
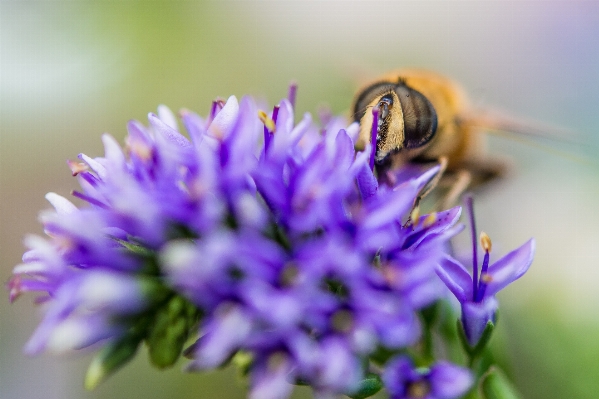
(71, 70)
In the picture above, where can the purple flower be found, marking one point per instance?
(442, 380)
(276, 237)
(477, 294)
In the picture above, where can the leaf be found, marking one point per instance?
(475, 351)
(111, 358)
(368, 387)
(495, 385)
(169, 331)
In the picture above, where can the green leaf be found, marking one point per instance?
(381, 355)
(154, 289)
(368, 387)
(476, 350)
(243, 361)
(495, 385)
(169, 331)
(484, 340)
(111, 358)
(430, 314)
(135, 248)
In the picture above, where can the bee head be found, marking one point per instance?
(406, 119)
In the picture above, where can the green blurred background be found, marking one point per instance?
(72, 70)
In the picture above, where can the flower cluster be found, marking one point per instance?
(271, 242)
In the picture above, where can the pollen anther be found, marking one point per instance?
(268, 122)
(485, 241)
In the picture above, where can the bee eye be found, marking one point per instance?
(368, 96)
(384, 104)
(420, 117)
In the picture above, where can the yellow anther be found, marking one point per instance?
(276, 361)
(419, 389)
(139, 148)
(289, 274)
(268, 122)
(392, 276)
(77, 167)
(342, 321)
(415, 215)
(486, 278)
(485, 241)
(430, 219)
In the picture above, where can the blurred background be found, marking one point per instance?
(71, 70)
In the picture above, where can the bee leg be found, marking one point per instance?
(463, 180)
(473, 174)
(428, 187)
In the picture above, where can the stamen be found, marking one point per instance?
(276, 360)
(430, 220)
(342, 321)
(418, 389)
(289, 275)
(415, 215)
(268, 123)
(470, 207)
(485, 241)
(267, 132)
(91, 179)
(373, 134)
(89, 199)
(217, 105)
(14, 286)
(292, 93)
(485, 278)
(392, 276)
(138, 147)
(275, 114)
(77, 167)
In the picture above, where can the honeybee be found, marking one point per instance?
(425, 117)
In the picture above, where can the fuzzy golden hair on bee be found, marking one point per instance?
(424, 117)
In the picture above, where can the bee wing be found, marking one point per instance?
(561, 142)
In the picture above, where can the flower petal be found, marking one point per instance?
(167, 116)
(225, 120)
(449, 381)
(194, 125)
(510, 268)
(456, 278)
(61, 204)
(476, 315)
(113, 152)
(94, 165)
(168, 132)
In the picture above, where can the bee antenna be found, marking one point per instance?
(363, 110)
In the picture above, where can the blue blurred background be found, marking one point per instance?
(72, 70)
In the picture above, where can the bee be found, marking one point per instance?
(424, 117)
